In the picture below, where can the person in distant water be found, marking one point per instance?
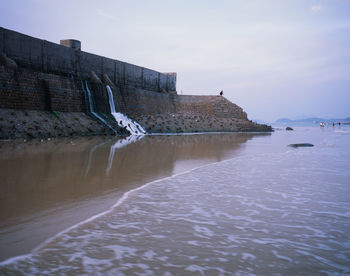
(221, 92)
(338, 123)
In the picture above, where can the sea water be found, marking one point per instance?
(264, 209)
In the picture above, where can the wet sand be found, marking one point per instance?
(232, 204)
(48, 186)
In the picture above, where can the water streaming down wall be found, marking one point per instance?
(92, 110)
(122, 120)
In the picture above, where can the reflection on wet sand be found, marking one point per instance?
(118, 145)
(47, 186)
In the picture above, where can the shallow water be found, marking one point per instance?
(47, 186)
(225, 204)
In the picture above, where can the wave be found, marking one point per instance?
(124, 197)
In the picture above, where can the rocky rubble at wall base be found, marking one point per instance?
(29, 124)
(189, 123)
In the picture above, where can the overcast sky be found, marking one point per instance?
(274, 58)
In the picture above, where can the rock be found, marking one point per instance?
(301, 145)
(289, 128)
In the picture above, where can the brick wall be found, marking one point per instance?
(25, 89)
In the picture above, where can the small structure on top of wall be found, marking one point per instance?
(71, 43)
(171, 80)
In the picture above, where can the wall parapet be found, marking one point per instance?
(49, 57)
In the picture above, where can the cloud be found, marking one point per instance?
(106, 15)
(316, 8)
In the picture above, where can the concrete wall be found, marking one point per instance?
(138, 101)
(46, 56)
(49, 77)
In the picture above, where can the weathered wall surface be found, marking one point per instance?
(215, 106)
(143, 102)
(24, 89)
(46, 56)
(139, 101)
(160, 113)
(32, 90)
(49, 79)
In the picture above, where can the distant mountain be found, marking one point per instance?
(312, 120)
(283, 120)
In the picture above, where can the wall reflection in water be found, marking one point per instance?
(48, 186)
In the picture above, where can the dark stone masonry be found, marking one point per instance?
(43, 94)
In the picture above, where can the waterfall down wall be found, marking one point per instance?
(122, 120)
(92, 110)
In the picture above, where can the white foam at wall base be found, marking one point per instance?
(122, 120)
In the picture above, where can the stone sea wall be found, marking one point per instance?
(161, 113)
(43, 94)
(48, 57)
